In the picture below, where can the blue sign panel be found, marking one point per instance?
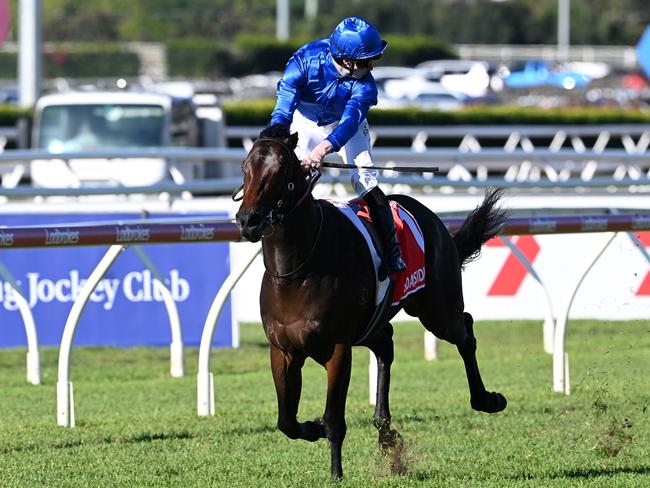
(643, 51)
(126, 309)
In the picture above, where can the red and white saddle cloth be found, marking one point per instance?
(411, 242)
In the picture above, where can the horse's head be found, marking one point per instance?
(274, 183)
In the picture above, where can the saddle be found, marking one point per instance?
(391, 290)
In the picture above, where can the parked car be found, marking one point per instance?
(86, 121)
(383, 74)
(418, 92)
(470, 78)
(594, 70)
(541, 73)
(9, 94)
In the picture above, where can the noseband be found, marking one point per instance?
(279, 212)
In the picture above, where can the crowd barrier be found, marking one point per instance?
(119, 236)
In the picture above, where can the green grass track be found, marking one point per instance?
(137, 426)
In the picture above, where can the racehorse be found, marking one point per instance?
(317, 293)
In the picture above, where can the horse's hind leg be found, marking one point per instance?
(381, 345)
(287, 377)
(338, 368)
(481, 399)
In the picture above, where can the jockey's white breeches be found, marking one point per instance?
(356, 151)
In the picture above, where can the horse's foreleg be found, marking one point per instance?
(480, 398)
(338, 379)
(287, 376)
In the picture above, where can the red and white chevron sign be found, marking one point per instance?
(512, 273)
(644, 289)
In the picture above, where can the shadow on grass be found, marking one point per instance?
(158, 436)
(35, 447)
(253, 429)
(67, 444)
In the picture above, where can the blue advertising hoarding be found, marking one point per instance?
(126, 309)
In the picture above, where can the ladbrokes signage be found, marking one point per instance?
(127, 306)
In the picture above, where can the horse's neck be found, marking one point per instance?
(289, 244)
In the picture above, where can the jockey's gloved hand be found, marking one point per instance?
(280, 131)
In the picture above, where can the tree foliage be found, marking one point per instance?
(617, 22)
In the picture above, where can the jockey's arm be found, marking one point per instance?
(356, 111)
(289, 91)
(364, 96)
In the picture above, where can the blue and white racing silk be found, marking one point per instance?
(312, 85)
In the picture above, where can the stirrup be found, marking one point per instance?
(395, 265)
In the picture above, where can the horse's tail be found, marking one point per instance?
(481, 225)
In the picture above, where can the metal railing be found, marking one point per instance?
(531, 156)
(634, 138)
(537, 168)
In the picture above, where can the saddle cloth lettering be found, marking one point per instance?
(411, 243)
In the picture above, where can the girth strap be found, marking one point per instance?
(381, 311)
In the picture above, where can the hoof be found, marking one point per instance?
(391, 446)
(491, 402)
(312, 431)
(388, 439)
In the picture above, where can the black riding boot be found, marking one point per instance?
(382, 216)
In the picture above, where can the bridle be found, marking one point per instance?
(283, 207)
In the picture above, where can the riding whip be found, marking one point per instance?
(403, 169)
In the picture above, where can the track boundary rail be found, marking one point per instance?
(515, 164)
(119, 236)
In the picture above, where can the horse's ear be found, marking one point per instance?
(292, 140)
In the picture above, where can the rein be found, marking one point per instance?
(311, 252)
(279, 214)
(274, 215)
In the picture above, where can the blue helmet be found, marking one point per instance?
(356, 38)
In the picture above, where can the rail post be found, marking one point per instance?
(64, 391)
(177, 369)
(33, 356)
(205, 405)
(560, 357)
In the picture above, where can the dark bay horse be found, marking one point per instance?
(317, 294)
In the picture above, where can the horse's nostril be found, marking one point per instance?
(248, 219)
(254, 220)
(239, 219)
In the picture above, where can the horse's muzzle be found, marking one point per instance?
(251, 224)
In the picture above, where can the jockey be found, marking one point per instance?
(324, 96)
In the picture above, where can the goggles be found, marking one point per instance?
(358, 63)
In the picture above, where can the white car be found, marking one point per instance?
(421, 93)
(470, 78)
(87, 121)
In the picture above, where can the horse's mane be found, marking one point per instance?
(280, 132)
(273, 132)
